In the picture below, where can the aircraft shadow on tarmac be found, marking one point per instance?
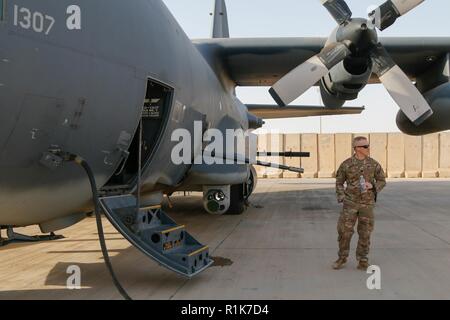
(134, 270)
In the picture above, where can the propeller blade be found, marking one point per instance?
(400, 87)
(297, 81)
(385, 15)
(338, 9)
(306, 75)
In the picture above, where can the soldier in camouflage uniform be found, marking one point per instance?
(358, 204)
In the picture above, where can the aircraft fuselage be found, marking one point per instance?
(74, 74)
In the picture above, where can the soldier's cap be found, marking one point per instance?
(360, 142)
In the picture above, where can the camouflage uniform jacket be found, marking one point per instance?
(350, 172)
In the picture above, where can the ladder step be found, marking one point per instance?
(198, 251)
(173, 229)
(150, 208)
(154, 233)
(196, 258)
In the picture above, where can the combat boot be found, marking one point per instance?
(340, 263)
(363, 265)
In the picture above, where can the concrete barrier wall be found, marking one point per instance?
(292, 142)
(326, 156)
(430, 156)
(413, 156)
(396, 155)
(444, 155)
(379, 148)
(275, 144)
(311, 165)
(399, 155)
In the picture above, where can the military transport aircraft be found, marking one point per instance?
(104, 84)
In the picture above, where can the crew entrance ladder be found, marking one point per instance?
(154, 233)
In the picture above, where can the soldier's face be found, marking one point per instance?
(362, 148)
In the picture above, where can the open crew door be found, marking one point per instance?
(155, 113)
(150, 229)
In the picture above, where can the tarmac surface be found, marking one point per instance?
(281, 248)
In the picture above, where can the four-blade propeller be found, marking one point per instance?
(360, 39)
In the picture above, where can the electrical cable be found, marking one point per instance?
(80, 161)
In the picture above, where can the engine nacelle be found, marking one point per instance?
(439, 100)
(345, 81)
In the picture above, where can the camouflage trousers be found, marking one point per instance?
(352, 213)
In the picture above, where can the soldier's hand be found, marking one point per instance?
(369, 186)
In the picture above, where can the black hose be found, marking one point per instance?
(101, 234)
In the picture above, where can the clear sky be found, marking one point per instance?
(307, 18)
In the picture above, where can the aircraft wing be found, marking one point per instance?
(276, 112)
(263, 61)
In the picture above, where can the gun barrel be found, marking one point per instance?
(287, 154)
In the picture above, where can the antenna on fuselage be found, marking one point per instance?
(220, 20)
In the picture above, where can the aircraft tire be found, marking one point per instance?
(238, 201)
